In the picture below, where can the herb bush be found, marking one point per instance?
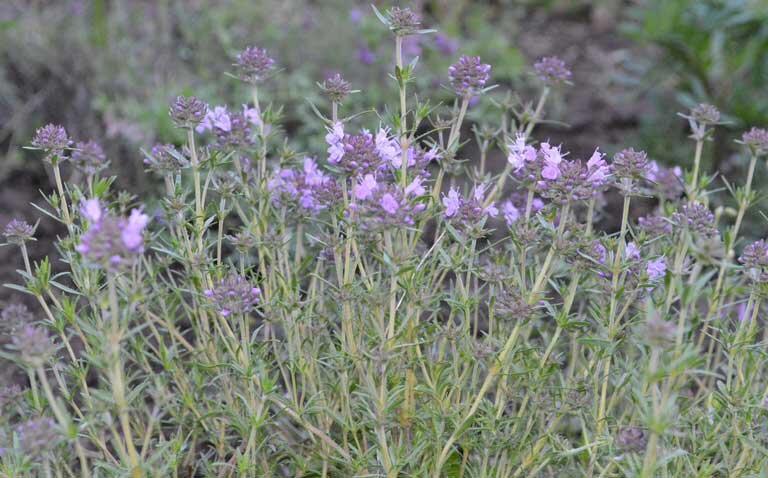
(368, 312)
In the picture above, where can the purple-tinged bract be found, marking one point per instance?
(255, 64)
(233, 295)
(552, 70)
(18, 231)
(187, 111)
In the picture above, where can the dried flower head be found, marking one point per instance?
(552, 70)
(233, 295)
(255, 64)
(187, 111)
(756, 140)
(52, 139)
(18, 231)
(33, 345)
(468, 75)
(336, 88)
(89, 157)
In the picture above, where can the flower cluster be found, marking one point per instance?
(37, 435)
(53, 140)
(111, 242)
(552, 70)
(233, 130)
(187, 111)
(233, 295)
(378, 204)
(697, 219)
(468, 75)
(756, 140)
(467, 212)
(361, 154)
(18, 231)
(309, 189)
(567, 181)
(514, 208)
(336, 88)
(755, 260)
(403, 21)
(254, 64)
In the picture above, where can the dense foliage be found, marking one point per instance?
(388, 308)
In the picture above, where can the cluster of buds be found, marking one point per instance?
(336, 88)
(468, 76)
(18, 232)
(233, 295)
(53, 140)
(697, 219)
(111, 242)
(756, 139)
(187, 111)
(755, 260)
(308, 190)
(254, 65)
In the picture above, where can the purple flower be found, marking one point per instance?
(91, 210)
(251, 114)
(389, 203)
(37, 436)
(468, 75)
(451, 202)
(598, 169)
(415, 188)
(632, 252)
(365, 188)
(552, 70)
(510, 212)
(552, 159)
(403, 21)
(218, 117)
(520, 153)
(255, 64)
(335, 146)
(656, 268)
(631, 164)
(33, 345)
(388, 148)
(133, 232)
